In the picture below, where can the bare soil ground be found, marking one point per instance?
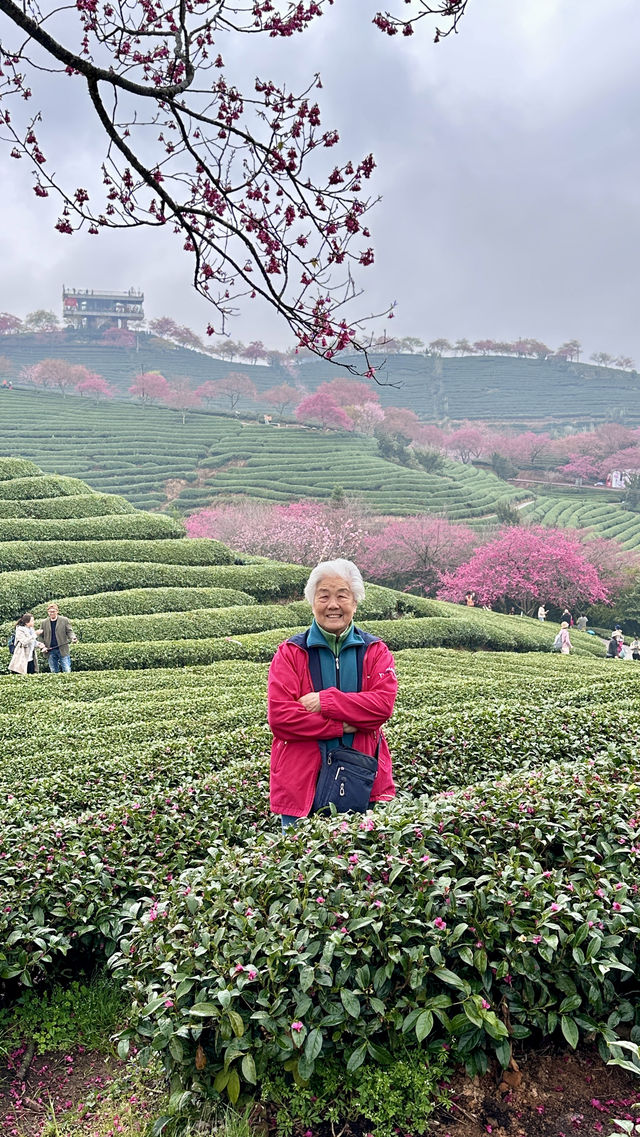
(553, 1094)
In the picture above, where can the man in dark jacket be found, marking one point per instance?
(57, 636)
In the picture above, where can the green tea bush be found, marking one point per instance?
(71, 506)
(20, 591)
(145, 601)
(20, 489)
(143, 526)
(17, 555)
(477, 918)
(17, 468)
(202, 623)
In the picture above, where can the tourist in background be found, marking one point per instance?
(581, 623)
(565, 642)
(634, 648)
(542, 613)
(613, 647)
(24, 660)
(57, 635)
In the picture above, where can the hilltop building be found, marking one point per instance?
(92, 308)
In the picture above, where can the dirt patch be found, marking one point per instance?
(204, 472)
(551, 1095)
(173, 488)
(55, 1084)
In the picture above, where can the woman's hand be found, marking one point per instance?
(311, 702)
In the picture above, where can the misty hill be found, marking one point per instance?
(494, 388)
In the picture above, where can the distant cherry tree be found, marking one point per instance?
(581, 467)
(181, 397)
(9, 324)
(42, 320)
(97, 386)
(119, 337)
(282, 397)
(413, 552)
(150, 387)
(302, 532)
(348, 392)
(235, 386)
(439, 346)
(56, 374)
(321, 408)
(208, 391)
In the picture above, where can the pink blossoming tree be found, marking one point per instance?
(526, 567)
(412, 552)
(322, 409)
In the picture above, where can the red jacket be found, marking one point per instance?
(295, 753)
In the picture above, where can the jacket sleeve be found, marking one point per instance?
(370, 709)
(287, 717)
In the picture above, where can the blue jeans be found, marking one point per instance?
(58, 662)
(288, 820)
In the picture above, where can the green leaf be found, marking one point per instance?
(569, 1030)
(313, 1044)
(249, 1069)
(350, 1002)
(424, 1025)
(237, 1025)
(176, 1049)
(307, 975)
(305, 1068)
(123, 1048)
(356, 1058)
(571, 1003)
(473, 1012)
(221, 1080)
(233, 1087)
(450, 977)
(204, 1010)
(152, 1007)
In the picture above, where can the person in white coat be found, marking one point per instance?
(24, 660)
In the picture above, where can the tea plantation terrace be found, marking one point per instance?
(149, 456)
(143, 595)
(493, 387)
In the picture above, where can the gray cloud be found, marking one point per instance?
(508, 161)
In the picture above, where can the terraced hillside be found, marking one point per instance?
(143, 595)
(605, 518)
(494, 388)
(149, 456)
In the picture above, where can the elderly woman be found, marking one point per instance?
(332, 684)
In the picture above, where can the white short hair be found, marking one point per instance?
(341, 567)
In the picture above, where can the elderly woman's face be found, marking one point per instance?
(333, 605)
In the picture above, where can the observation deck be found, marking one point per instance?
(95, 308)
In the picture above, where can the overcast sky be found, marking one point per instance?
(508, 164)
